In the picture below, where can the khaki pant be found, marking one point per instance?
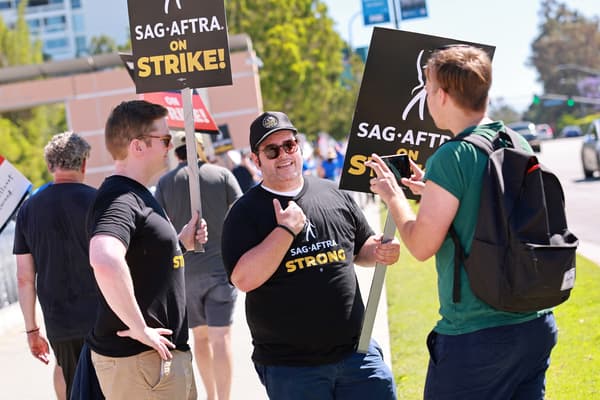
(146, 376)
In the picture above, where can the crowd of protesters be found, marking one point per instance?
(276, 226)
(130, 288)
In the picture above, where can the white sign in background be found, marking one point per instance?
(13, 188)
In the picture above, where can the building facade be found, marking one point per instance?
(65, 27)
(90, 87)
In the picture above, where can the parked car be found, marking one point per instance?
(527, 130)
(571, 131)
(590, 150)
(544, 131)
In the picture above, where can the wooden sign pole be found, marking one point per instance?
(375, 292)
(192, 159)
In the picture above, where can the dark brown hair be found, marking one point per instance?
(127, 121)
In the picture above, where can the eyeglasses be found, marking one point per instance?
(272, 150)
(166, 139)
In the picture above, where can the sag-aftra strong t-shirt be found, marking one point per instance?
(309, 312)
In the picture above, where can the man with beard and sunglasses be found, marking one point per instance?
(140, 339)
(291, 243)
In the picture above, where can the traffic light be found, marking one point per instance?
(536, 99)
(570, 102)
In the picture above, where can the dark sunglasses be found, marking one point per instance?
(272, 150)
(166, 139)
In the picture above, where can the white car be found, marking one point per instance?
(590, 150)
(544, 131)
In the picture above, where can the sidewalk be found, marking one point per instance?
(23, 377)
(589, 250)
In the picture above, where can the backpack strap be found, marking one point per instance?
(459, 256)
(503, 138)
(487, 147)
(480, 142)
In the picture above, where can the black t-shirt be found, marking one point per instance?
(51, 227)
(309, 312)
(126, 210)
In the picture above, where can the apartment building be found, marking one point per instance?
(65, 27)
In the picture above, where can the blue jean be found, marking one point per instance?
(358, 376)
(502, 363)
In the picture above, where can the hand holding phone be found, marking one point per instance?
(402, 167)
(399, 164)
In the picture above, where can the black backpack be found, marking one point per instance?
(523, 256)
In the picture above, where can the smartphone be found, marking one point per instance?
(399, 165)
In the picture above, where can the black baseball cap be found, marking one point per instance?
(267, 123)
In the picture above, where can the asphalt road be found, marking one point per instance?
(582, 196)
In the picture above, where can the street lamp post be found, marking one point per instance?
(396, 11)
(352, 18)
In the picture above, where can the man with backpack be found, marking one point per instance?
(477, 351)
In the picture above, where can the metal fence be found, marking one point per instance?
(8, 267)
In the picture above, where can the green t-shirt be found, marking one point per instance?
(458, 167)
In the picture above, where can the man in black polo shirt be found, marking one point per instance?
(140, 340)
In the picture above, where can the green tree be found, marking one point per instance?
(565, 48)
(23, 133)
(302, 62)
(105, 44)
(17, 48)
(102, 44)
(34, 127)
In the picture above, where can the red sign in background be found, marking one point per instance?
(172, 101)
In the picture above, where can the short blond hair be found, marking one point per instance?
(66, 150)
(464, 72)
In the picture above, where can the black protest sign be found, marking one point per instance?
(391, 114)
(222, 142)
(179, 44)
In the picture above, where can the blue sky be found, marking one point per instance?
(510, 25)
